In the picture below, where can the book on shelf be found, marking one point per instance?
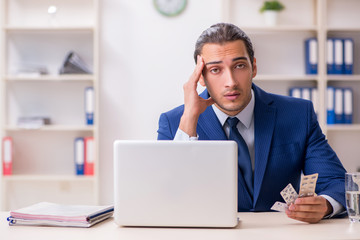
(74, 64)
(35, 122)
(339, 105)
(7, 155)
(311, 56)
(340, 55)
(307, 93)
(84, 155)
(52, 214)
(89, 155)
(79, 155)
(89, 105)
(348, 105)
(348, 55)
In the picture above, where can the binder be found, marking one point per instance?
(330, 56)
(315, 99)
(348, 55)
(338, 56)
(89, 105)
(79, 155)
(89, 155)
(7, 155)
(305, 94)
(295, 92)
(339, 105)
(330, 105)
(311, 57)
(348, 105)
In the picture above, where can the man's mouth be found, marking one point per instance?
(232, 96)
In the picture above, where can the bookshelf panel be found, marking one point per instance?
(62, 102)
(345, 144)
(28, 50)
(280, 53)
(343, 14)
(37, 152)
(246, 13)
(36, 13)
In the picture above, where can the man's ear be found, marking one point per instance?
(254, 68)
(202, 81)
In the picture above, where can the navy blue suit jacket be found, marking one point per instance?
(288, 140)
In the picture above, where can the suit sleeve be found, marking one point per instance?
(321, 158)
(164, 131)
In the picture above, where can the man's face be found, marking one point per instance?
(227, 75)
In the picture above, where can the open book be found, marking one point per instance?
(51, 214)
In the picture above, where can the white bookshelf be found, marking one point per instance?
(66, 77)
(43, 160)
(281, 62)
(60, 128)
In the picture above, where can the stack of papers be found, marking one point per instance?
(51, 214)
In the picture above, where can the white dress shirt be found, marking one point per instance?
(247, 131)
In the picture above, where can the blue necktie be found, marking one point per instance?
(243, 154)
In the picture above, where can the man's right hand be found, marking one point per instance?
(194, 104)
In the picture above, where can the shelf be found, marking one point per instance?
(52, 128)
(343, 29)
(343, 127)
(65, 77)
(69, 178)
(285, 77)
(47, 29)
(279, 28)
(342, 77)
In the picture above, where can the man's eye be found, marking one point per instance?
(241, 65)
(214, 70)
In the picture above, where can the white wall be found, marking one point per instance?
(145, 60)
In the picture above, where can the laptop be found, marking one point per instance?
(175, 183)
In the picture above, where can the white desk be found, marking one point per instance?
(252, 226)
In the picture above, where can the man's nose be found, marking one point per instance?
(230, 79)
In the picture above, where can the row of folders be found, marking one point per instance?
(339, 102)
(339, 55)
(84, 155)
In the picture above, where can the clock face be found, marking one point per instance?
(170, 8)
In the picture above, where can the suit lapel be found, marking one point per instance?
(264, 120)
(208, 123)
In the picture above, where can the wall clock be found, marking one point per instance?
(170, 8)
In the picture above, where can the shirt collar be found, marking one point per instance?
(245, 116)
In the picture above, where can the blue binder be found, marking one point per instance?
(79, 155)
(295, 92)
(330, 105)
(348, 105)
(330, 56)
(306, 93)
(311, 56)
(89, 105)
(338, 56)
(339, 105)
(348, 55)
(314, 99)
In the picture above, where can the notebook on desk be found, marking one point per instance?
(175, 183)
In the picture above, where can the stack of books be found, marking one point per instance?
(51, 214)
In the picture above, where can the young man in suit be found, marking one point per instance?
(281, 134)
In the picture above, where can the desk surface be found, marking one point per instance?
(271, 225)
